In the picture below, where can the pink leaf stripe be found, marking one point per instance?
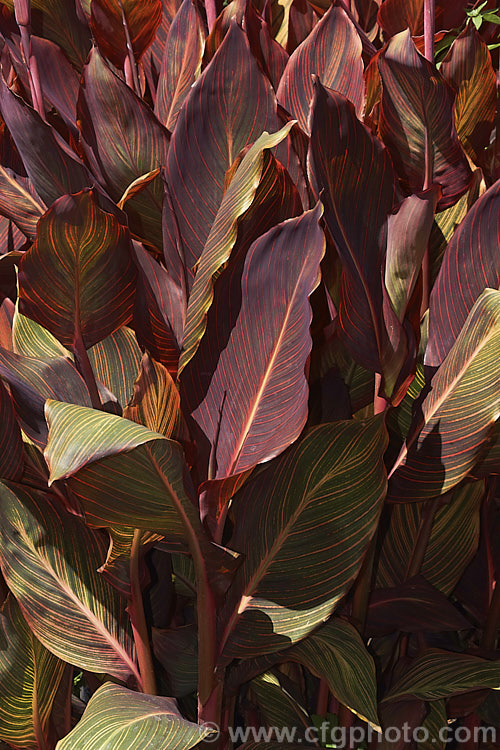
(68, 605)
(332, 52)
(320, 504)
(262, 403)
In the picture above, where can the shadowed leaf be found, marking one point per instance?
(19, 203)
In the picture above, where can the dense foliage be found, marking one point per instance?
(249, 342)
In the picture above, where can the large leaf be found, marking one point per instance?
(278, 706)
(159, 310)
(242, 414)
(33, 379)
(228, 107)
(457, 416)
(305, 507)
(469, 71)
(444, 562)
(413, 606)
(333, 53)
(119, 719)
(397, 15)
(142, 18)
(156, 402)
(348, 163)
(11, 444)
(337, 654)
(237, 200)
(142, 488)
(471, 263)
(181, 63)
(439, 674)
(49, 559)
(116, 361)
(123, 141)
(417, 104)
(18, 203)
(58, 21)
(29, 679)
(51, 166)
(87, 254)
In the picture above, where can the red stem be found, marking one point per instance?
(84, 367)
(211, 11)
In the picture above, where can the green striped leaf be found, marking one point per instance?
(303, 525)
(32, 380)
(249, 416)
(278, 707)
(49, 559)
(156, 402)
(440, 674)
(19, 203)
(236, 98)
(116, 361)
(332, 51)
(471, 263)
(468, 69)
(29, 679)
(416, 100)
(445, 560)
(123, 141)
(119, 719)
(222, 238)
(458, 414)
(337, 654)
(31, 339)
(86, 252)
(142, 18)
(122, 473)
(177, 651)
(181, 63)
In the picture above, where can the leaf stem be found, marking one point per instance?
(211, 11)
(84, 367)
(130, 66)
(363, 587)
(492, 624)
(138, 619)
(424, 534)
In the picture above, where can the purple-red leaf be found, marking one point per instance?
(11, 444)
(471, 263)
(353, 173)
(416, 105)
(123, 141)
(107, 21)
(86, 254)
(181, 63)
(159, 310)
(398, 15)
(228, 107)
(257, 399)
(332, 52)
(52, 167)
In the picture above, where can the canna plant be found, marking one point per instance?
(249, 340)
